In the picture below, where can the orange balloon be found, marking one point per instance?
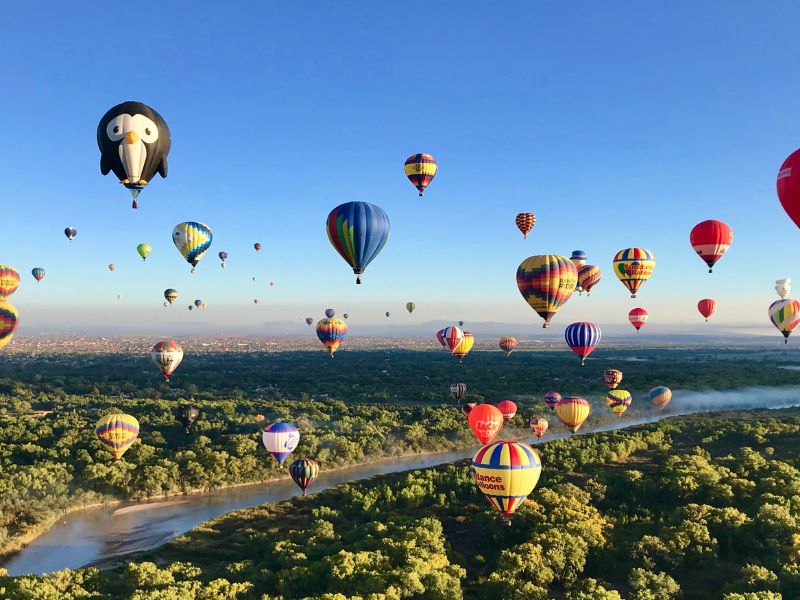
(485, 421)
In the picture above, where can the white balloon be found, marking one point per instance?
(783, 287)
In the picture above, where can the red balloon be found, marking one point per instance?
(638, 317)
(711, 239)
(508, 409)
(789, 186)
(485, 421)
(707, 306)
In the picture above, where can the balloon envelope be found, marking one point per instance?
(331, 332)
(70, 232)
(117, 433)
(711, 239)
(167, 355)
(37, 272)
(546, 282)
(170, 295)
(144, 250)
(634, 266)
(619, 401)
(572, 411)
(552, 399)
(9, 320)
(507, 344)
(785, 315)
(660, 396)
(612, 377)
(506, 472)
(187, 414)
(485, 421)
(525, 222)
(783, 287)
(458, 390)
(638, 317)
(707, 307)
(358, 231)
(304, 471)
(588, 277)
(192, 239)
(582, 337)
(280, 439)
(420, 169)
(410, 306)
(508, 409)
(9, 281)
(464, 346)
(539, 426)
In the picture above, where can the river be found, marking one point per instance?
(98, 533)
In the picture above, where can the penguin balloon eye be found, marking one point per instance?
(115, 130)
(146, 128)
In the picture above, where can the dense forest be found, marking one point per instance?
(691, 507)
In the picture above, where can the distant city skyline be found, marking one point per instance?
(616, 125)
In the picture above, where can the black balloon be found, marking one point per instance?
(187, 414)
(134, 142)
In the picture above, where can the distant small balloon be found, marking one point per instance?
(783, 287)
(257, 246)
(144, 250)
(329, 312)
(38, 273)
(112, 266)
(70, 232)
(345, 315)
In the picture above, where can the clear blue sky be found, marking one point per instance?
(618, 124)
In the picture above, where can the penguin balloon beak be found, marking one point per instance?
(131, 137)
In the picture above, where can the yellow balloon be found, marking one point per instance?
(633, 266)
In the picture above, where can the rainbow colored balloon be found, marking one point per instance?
(331, 332)
(785, 315)
(634, 266)
(9, 281)
(506, 472)
(546, 282)
(117, 433)
(304, 471)
(588, 277)
(9, 320)
(358, 231)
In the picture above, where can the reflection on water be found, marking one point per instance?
(94, 534)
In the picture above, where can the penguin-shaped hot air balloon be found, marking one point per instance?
(134, 143)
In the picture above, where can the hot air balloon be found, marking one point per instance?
(410, 306)
(464, 347)
(583, 338)
(166, 304)
(440, 336)
(37, 272)
(450, 337)
(387, 314)
(271, 283)
(192, 240)
(420, 170)
(358, 231)
(9, 320)
(458, 390)
(9, 281)
(707, 307)
(552, 399)
(280, 439)
(788, 185)
(199, 303)
(588, 277)
(345, 315)
(507, 345)
(612, 377)
(485, 421)
(546, 282)
(508, 409)
(525, 222)
(186, 415)
(70, 232)
(461, 323)
(144, 250)
(191, 307)
(619, 401)
(539, 426)
(329, 312)
(134, 142)
(223, 256)
(783, 287)
(255, 300)
(117, 432)
(254, 278)
(309, 321)
(167, 355)
(638, 317)
(170, 295)
(578, 258)
(785, 315)
(634, 266)
(711, 239)
(506, 472)
(572, 412)
(304, 471)
(119, 296)
(660, 396)
(467, 408)
(257, 246)
(331, 332)
(111, 267)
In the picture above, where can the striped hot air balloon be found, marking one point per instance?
(358, 231)
(117, 433)
(9, 320)
(331, 332)
(707, 307)
(38, 273)
(588, 277)
(785, 315)
(539, 426)
(9, 281)
(612, 377)
(508, 409)
(420, 170)
(507, 345)
(582, 338)
(660, 396)
(192, 239)
(280, 439)
(450, 337)
(552, 399)
(546, 282)
(619, 401)
(458, 390)
(525, 222)
(638, 317)
(634, 266)
(711, 239)
(572, 411)
(506, 472)
(304, 471)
